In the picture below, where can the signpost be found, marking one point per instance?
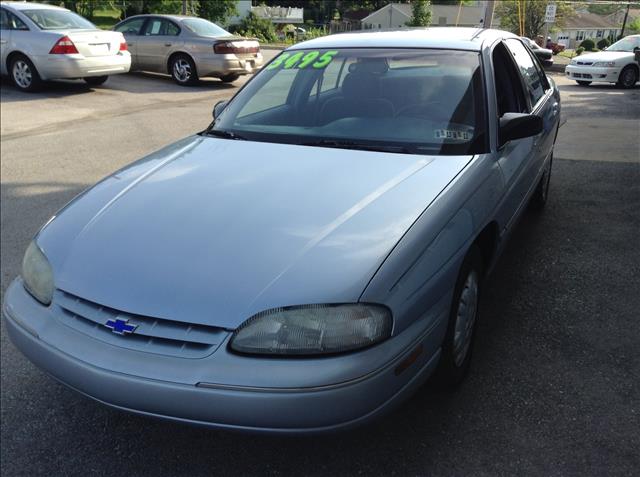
(549, 17)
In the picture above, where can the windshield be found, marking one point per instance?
(423, 101)
(204, 27)
(58, 20)
(626, 44)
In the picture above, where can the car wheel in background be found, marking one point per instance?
(458, 341)
(183, 70)
(24, 74)
(584, 83)
(628, 77)
(541, 194)
(229, 78)
(96, 80)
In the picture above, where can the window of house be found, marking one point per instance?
(442, 21)
(580, 35)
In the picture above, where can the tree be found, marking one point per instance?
(218, 11)
(421, 13)
(533, 11)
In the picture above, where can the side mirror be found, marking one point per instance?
(218, 108)
(518, 126)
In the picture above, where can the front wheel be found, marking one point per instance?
(584, 83)
(183, 70)
(628, 77)
(96, 80)
(458, 341)
(24, 74)
(230, 78)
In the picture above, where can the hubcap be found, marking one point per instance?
(22, 74)
(182, 70)
(465, 318)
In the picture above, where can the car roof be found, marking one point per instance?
(162, 15)
(20, 6)
(438, 37)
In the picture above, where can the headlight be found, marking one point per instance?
(313, 329)
(37, 274)
(608, 64)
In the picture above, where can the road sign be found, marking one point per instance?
(550, 13)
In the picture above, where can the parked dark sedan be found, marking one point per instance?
(544, 55)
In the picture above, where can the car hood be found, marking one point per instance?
(605, 56)
(211, 231)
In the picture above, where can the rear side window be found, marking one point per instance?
(8, 21)
(58, 20)
(534, 82)
(161, 27)
(131, 27)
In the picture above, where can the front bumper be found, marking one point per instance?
(591, 73)
(79, 66)
(179, 389)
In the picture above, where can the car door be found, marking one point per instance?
(158, 39)
(131, 30)
(5, 38)
(520, 160)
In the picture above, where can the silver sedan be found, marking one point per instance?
(188, 48)
(40, 42)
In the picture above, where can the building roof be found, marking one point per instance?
(586, 20)
(440, 37)
(469, 14)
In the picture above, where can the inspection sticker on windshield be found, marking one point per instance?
(303, 59)
(453, 134)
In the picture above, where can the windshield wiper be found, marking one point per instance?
(224, 134)
(340, 144)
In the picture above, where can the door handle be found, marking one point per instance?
(555, 109)
(167, 44)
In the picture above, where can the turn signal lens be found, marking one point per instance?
(64, 46)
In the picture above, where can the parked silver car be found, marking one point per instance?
(40, 42)
(188, 48)
(306, 262)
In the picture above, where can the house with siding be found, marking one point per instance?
(396, 15)
(585, 25)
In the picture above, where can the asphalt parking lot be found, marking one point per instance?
(555, 382)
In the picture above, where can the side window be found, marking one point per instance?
(277, 95)
(154, 27)
(131, 27)
(509, 92)
(15, 23)
(528, 70)
(4, 20)
(172, 29)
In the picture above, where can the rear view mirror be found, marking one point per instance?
(218, 108)
(518, 126)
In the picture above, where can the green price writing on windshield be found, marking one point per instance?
(303, 60)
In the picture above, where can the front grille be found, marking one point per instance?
(582, 75)
(152, 335)
(586, 63)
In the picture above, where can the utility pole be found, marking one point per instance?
(624, 22)
(184, 7)
(490, 6)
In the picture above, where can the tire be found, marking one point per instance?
(584, 83)
(96, 80)
(183, 70)
(230, 78)
(628, 77)
(541, 194)
(24, 74)
(458, 341)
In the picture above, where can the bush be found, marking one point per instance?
(259, 28)
(604, 43)
(588, 44)
(579, 51)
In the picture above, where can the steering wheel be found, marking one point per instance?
(430, 110)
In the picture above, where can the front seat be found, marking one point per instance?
(360, 98)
